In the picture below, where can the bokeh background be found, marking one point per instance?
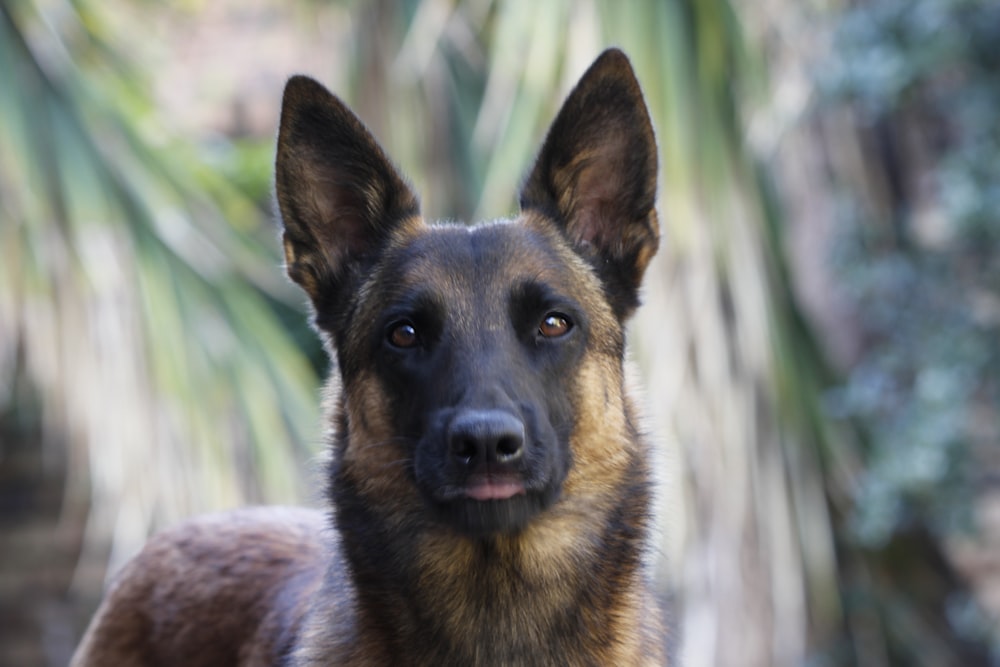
(819, 346)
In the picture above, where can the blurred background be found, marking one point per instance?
(819, 346)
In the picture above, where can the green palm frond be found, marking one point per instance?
(151, 325)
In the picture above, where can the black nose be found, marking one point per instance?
(476, 437)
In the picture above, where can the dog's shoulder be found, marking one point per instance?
(249, 570)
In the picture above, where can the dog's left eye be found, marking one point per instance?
(403, 335)
(554, 325)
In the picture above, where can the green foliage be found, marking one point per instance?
(923, 269)
(139, 290)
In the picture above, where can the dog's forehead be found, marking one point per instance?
(483, 259)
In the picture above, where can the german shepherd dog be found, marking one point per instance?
(490, 489)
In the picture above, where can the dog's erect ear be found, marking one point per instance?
(596, 177)
(339, 195)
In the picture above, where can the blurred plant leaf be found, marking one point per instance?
(139, 290)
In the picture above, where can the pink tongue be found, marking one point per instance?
(493, 489)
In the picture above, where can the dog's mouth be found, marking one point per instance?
(490, 486)
(485, 484)
(485, 503)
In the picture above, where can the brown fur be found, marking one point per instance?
(223, 589)
(411, 573)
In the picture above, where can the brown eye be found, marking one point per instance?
(403, 335)
(554, 325)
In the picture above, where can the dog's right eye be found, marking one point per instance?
(403, 335)
(555, 325)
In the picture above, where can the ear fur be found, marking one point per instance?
(338, 194)
(595, 177)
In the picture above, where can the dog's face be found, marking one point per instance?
(472, 337)
(472, 357)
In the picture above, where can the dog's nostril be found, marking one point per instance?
(465, 450)
(486, 436)
(508, 448)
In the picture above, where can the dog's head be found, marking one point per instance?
(481, 367)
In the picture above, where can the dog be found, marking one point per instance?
(490, 488)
